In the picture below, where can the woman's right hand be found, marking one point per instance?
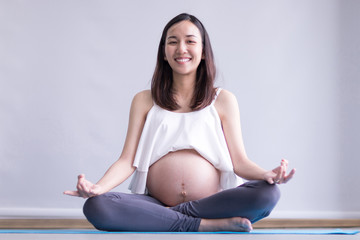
(85, 188)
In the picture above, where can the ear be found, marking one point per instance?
(203, 56)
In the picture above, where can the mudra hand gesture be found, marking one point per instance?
(278, 175)
(85, 188)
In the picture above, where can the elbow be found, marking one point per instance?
(237, 171)
(240, 167)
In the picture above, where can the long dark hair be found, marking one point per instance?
(161, 85)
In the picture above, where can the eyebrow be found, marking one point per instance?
(186, 36)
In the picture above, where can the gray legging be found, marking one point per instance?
(114, 211)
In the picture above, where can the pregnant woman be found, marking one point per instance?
(185, 151)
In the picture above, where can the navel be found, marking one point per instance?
(183, 192)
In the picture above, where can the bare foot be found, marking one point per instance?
(235, 224)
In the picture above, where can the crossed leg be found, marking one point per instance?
(233, 209)
(230, 210)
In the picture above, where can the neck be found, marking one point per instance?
(183, 87)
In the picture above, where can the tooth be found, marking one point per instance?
(183, 60)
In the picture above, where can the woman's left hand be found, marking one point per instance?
(278, 175)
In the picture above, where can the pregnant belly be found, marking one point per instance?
(182, 176)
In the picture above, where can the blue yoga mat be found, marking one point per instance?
(256, 231)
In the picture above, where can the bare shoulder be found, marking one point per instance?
(144, 95)
(225, 97)
(226, 103)
(142, 101)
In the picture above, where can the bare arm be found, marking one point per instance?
(228, 110)
(122, 168)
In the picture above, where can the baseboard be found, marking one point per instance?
(315, 214)
(265, 223)
(59, 218)
(76, 213)
(41, 213)
(307, 223)
(45, 224)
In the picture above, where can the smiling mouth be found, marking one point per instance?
(182, 60)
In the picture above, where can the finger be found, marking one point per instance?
(284, 162)
(72, 193)
(82, 186)
(80, 179)
(283, 173)
(291, 174)
(270, 180)
(276, 179)
(271, 175)
(79, 187)
(87, 189)
(84, 194)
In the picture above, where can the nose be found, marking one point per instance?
(182, 48)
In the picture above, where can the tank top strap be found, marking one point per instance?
(218, 90)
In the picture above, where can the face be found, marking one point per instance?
(183, 48)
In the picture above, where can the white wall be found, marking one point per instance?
(69, 69)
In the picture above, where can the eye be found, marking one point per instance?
(172, 42)
(191, 42)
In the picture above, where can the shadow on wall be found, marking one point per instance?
(349, 100)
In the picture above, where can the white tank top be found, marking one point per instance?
(165, 131)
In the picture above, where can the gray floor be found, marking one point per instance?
(174, 237)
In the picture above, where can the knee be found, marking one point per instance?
(93, 205)
(268, 194)
(272, 191)
(95, 211)
(266, 199)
